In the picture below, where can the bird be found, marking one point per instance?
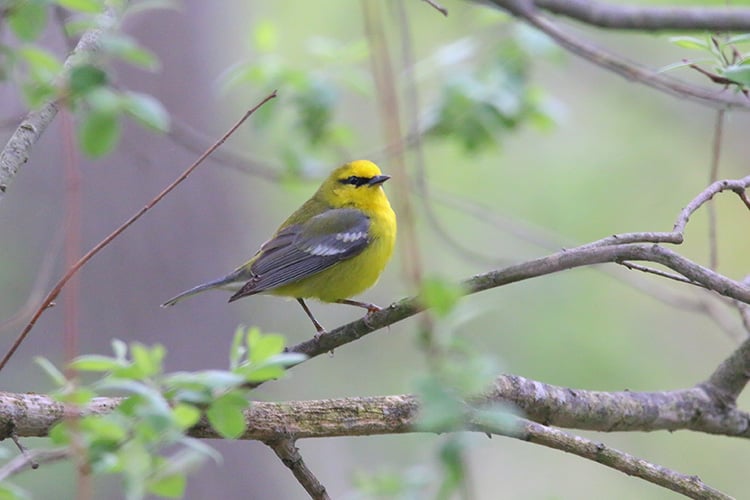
(333, 247)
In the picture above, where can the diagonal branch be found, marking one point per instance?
(290, 456)
(525, 10)
(690, 486)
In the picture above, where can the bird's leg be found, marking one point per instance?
(371, 308)
(318, 326)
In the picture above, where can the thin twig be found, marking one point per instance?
(28, 460)
(25, 452)
(658, 272)
(713, 176)
(690, 486)
(290, 456)
(437, 7)
(52, 295)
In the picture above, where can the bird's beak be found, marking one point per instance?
(378, 179)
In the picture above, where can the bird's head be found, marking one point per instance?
(357, 184)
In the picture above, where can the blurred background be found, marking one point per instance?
(578, 154)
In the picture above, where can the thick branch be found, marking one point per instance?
(32, 415)
(525, 9)
(631, 17)
(18, 148)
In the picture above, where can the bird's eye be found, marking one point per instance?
(355, 180)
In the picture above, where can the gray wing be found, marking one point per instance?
(302, 250)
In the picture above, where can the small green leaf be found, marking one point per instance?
(120, 349)
(27, 19)
(171, 486)
(85, 77)
(87, 6)
(99, 133)
(237, 350)
(43, 65)
(147, 110)
(59, 434)
(690, 42)
(738, 73)
(56, 375)
(103, 429)
(185, 415)
(94, 363)
(226, 415)
(265, 36)
(265, 347)
(127, 49)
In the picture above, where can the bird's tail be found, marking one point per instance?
(230, 282)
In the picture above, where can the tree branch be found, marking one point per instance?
(628, 17)
(525, 10)
(280, 424)
(290, 456)
(690, 486)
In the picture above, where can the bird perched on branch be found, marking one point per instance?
(333, 247)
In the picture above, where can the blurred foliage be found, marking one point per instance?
(486, 94)
(159, 409)
(86, 85)
(312, 92)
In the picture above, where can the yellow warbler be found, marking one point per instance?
(333, 247)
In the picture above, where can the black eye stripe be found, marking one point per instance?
(355, 180)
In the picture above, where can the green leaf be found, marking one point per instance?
(99, 133)
(56, 375)
(264, 347)
(147, 110)
(690, 42)
(226, 415)
(59, 434)
(43, 65)
(120, 349)
(27, 19)
(87, 6)
(208, 379)
(171, 486)
(86, 77)
(738, 73)
(103, 428)
(94, 363)
(185, 416)
(265, 36)
(237, 350)
(128, 49)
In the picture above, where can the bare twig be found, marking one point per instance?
(690, 486)
(657, 272)
(524, 9)
(648, 18)
(33, 457)
(713, 176)
(290, 456)
(437, 7)
(83, 260)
